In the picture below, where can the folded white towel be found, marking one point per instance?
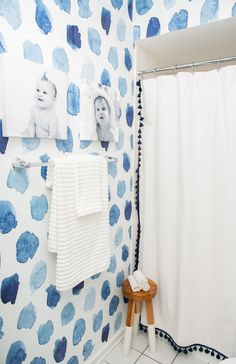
(133, 283)
(141, 280)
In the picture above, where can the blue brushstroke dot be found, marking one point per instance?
(117, 4)
(97, 320)
(17, 353)
(128, 209)
(73, 99)
(38, 275)
(73, 360)
(125, 253)
(3, 140)
(1, 325)
(77, 289)
(94, 41)
(112, 267)
(7, 217)
(32, 51)
(209, 11)
(64, 5)
(121, 188)
(153, 27)
(126, 162)
(121, 30)
(90, 299)
(120, 278)
(78, 332)
(131, 184)
(88, 72)
(114, 215)
(27, 317)
(95, 276)
(118, 321)
(59, 351)
(65, 146)
(38, 207)
(18, 179)
(73, 36)
(87, 349)
(30, 143)
(178, 21)
(84, 143)
(113, 57)
(106, 290)
(130, 231)
(105, 332)
(143, 6)
(44, 158)
(3, 47)
(9, 288)
(53, 296)
(113, 305)
(122, 85)
(169, 3)
(105, 78)
(38, 360)
(128, 59)
(84, 10)
(45, 332)
(136, 33)
(43, 17)
(60, 59)
(121, 139)
(10, 10)
(67, 313)
(26, 246)
(105, 145)
(112, 169)
(234, 10)
(130, 9)
(132, 141)
(118, 236)
(129, 115)
(106, 20)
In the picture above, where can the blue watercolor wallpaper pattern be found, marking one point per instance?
(89, 40)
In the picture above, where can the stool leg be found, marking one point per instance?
(137, 311)
(128, 328)
(151, 327)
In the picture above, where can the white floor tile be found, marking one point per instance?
(188, 359)
(140, 342)
(165, 353)
(207, 358)
(146, 360)
(116, 356)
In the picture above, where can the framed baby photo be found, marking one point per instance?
(33, 99)
(100, 113)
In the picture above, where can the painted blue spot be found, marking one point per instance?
(30, 143)
(95, 276)
(112, 169)
(60, 60)
(44, 158)
(3, 140)
(106, 20)
(88, 72)
(38, 275)
(154, 27)
(18, 179)
(130, 9)
(73, 99)
(132, 87)
(118, 236)
(113, 57)
(38, 360)
(130, 232)
(132, 141)
(26, 246)
(178, 20)
(136, 33)
(16, 353)
(64, 5)
(169, 3)
(105, 78)
(114, 215)
(105, 332)
(3, 47)
(94, 41)
(121, 29)
(121, 188)
(120, 278)
(78, 332)
(9, 288)
(59, 351)
(73, 360)
(128, 209)
(129, 115)
(27, 317)
(128, 59)
(106, 290)
(87, 349)
(90, 299)
(73, 36)
(118, 321)
(53, 296)
(97, 320)
(7, 217)
(67, 314)
(77, 289)
(113, 305)
(43, 17)
(38, 207)
(209, 11)
(121, 139)
(84, 10)
(122, 84)
(112, 267)
(143, 6)
(126, 162)
(1, 325)
(105, 145)
(10, 10)
(32, 52)
(65, 146)
(234, 10)
(85, 143)
(45, 332)
(117, 4)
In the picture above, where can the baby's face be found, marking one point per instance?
(44, 94)
(101, 111)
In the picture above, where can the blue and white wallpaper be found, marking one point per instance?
(89, 40)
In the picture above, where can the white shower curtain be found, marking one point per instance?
(188, 205)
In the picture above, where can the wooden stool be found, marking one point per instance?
(134, 308)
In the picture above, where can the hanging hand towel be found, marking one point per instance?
(133, 283)
(141, 280)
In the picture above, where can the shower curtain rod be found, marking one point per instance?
(186, 65)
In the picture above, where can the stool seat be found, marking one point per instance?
(140, 295)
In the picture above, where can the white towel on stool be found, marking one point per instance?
(141, 280)
(133, 284)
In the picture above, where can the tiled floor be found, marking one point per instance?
(165, 354)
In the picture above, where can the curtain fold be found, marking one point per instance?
(188, 205)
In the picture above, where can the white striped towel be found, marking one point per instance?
(133, 283)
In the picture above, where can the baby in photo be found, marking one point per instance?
(103, 120)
